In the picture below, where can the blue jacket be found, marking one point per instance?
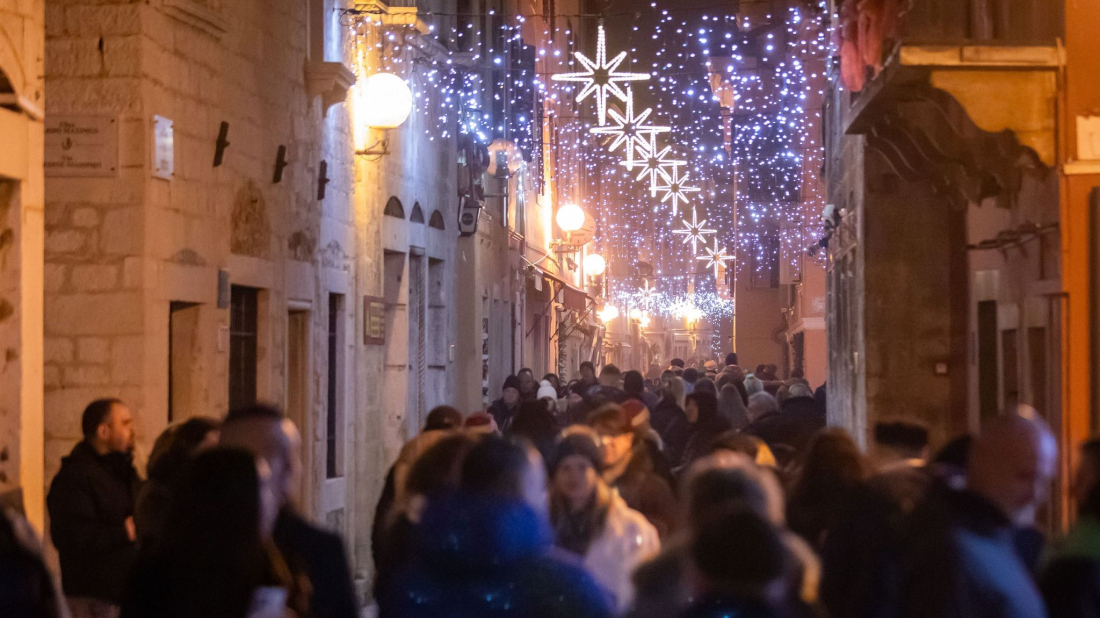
(484, 558)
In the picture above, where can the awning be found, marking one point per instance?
(573, 298)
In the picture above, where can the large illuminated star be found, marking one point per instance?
(654, 163)
(715, 258)
(600, 76)
(630, 129)
(676, 189)
(695, 232)
(648, 296)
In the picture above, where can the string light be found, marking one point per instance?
(695, 232)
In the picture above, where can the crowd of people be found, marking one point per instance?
(696, 491)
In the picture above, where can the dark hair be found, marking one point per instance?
(443, 417)
(633, 383)
(553, 378)
(610, 370)
(256, 411)
(737, 442)
(910, 435)
(176, 445)
(95, 415)
(706, 403)
(495, 467)
(677, 362)
(760, 369)
(437, 469)
(705, 385)
(535, 423)
(589, 365)
(832, 468)
(739, 549)
(610, 416)
(1090, 456)
(691, 375)
(576, 441)
(526, 370)
(724, 490)
(731, 359)
(956, 452)
(722, 381)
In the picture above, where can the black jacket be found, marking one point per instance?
(669, 421)
(89, 501)
(320, 555)
(794, 426)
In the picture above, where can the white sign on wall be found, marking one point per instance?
(81, 146)
(164, 148)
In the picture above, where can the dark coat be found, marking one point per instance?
(702, 436)
(794, 426)
(89, 501)
(724, 606)
(1071, 581)
(646, 490)
(476, 557)
(669, 421)
(960, 561)
(320, 556)
(502, 413)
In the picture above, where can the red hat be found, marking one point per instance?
(481, 422)
(635, 412)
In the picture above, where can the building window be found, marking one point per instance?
(243, 342)
(333, 425)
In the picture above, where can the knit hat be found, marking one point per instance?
(480, 422)
(635, 412)
(546, 389)
(510, 382)
(577, 440)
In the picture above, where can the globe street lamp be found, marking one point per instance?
(384, 102)
(594, 264)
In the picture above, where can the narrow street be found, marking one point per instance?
(342, 308)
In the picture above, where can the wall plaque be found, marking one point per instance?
(81, 146)
(374, 320)
(164, 148)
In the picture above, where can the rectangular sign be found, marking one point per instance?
(81, 146)
(164, 148)
(374, 320)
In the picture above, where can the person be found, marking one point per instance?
(505, 408)
(832, 467)
(821, 396)
(705, 385)
(576, 406)
(754, 448)
(629, 467)
(441, 421)
(732, 408)
(960, 557)
(740, 565)
(588, 375)
(592, 521)
(677, 363)
(548, 391)
(217, 558)
(91, 507)
(172, 451)
(611, 377)
(634, 386)
(528, 386)
(731, 359)
(706, 425)
(485, 550)
(753, 385)
(794, 425)
(710, 369)
(535, 423)
(669, 421)
(480, 423)
(311, 552)
(27, 588)
(554, 381)
(691, 376)
(1070, 580)
(770, 373)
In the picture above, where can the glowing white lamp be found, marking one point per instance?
(594, 264)
(610, 312)
(386, 101)
(570, 218)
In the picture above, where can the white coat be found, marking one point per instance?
(627, 540)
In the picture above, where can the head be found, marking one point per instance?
(731, 359)
(575, 465)
(436, 470)
(752, 447)
(832, 466)
(616, 434)
(547, 391)
(1012, 463)
(526, 380)
(772, 369)
(901, 439)
(611, 376)
(226, 497)
(759, 369)
(691, 375)
(443, 418)
(710, 368)
(633, 383)
(553, 379)
(535, 423)
(666, 376)
(576, 393)
(732, 407)
(674, 391)
(505, 469)
(753, 385)
(677, 362)
(265, 432)
(797, 390)
(705, 385)
(761, 404)
(480, 423)
(700, 407)
(179, 444)
(740, 554)
(724, 482)
(588, 372)
(1086, 483)
(108, 426)
(510, 392)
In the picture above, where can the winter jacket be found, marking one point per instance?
(645, 490)
(960, 561)
(626, 540)
(1071, 579)
(725, 606)
(669, 421)
(501, 413)
(89, 501)
(488, 558)
(320, 556)
(794, 426)
(702, 436)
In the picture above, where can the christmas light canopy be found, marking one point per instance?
(676, 189)
(695, 231)
(629, 129)
(601, 76)
(655, 163)
(715, 258)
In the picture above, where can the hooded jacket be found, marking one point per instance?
(488, 558)
(89, 501)
(627, 539)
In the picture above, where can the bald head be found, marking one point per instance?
(1012, 463)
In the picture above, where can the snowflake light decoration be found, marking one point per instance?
(601, 76)
(676, 189)
(715, 258)
(695, 232)
(630, 129)
(654, 163)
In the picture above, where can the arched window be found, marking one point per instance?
(417, 215)
(436, 220)
(394, 208)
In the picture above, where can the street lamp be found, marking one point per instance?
(594, 264)
(384, 102)
(570, 218)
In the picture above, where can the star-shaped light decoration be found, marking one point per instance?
(648, 296)
(695, 232)
(601, 76)
(715, 258)
(630, 129)
(676, 189)
(654, 163)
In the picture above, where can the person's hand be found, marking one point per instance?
(131, 529)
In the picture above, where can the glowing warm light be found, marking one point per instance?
(610, 312)
(386, 101)
(594, 264)
(503, 152)
(636, 314)
(570, 218)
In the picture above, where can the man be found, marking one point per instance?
(310, 551)
(634, 387)
(731, 359)
(962, 558)
(710, 369)
(505, 408)
(610, 389)
(796, 424)
(770, 373)
(528, 387)
(691, 376)
(91, 505)
(588, 375)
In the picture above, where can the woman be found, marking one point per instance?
(706, 425)
(592, 521)
(668, 419)
(831, 470)
(216, 559)
(732, 408)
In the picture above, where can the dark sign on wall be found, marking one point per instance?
(374, 320)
